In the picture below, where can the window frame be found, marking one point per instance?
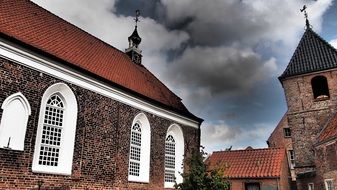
(145, 151)
(326, 184)
(177, 133)
(291, 154)
(250, 183)
(68, 133)
(311, 186)
(287, 132)
(20, 131)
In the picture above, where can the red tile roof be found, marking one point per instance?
(249, 163)
(329, 131)
(31, 25)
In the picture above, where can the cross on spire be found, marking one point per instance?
(137, 16)
(304, 9)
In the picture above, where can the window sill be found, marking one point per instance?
(321, 99)
(10, 149)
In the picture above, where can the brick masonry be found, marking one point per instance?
(102, 139)
(306, 119)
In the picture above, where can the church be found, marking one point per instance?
(308, 130)
(77, 113)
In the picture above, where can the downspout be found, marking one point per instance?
(278, 184)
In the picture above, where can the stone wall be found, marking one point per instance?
(306, 118)
(306, 115)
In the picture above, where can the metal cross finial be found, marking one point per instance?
(304, 9)
(137, 16)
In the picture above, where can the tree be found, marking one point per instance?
(198, 177)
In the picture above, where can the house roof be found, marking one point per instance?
(329, 131)
(249, 163)
(312, 54)
(25, 22)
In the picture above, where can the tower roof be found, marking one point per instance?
(312, 54)
(135, 38)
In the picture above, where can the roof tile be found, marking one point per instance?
(312, 54)
(329, 131)
(36, 27)
(249, 163)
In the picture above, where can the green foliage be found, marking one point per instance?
(199, 178)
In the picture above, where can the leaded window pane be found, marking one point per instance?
(52, 131)
(169, 159)
(135, 149)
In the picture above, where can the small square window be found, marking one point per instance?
(252, 186)
(287, 132)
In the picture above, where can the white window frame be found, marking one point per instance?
(169, 156)
(326, 184)
(311, 186)
(177, 133)
(13, 122)
(65, 160)
(291, 158)
(145, 149)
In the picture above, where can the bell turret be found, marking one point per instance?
(134, 40)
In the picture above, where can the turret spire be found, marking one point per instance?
(134, 40)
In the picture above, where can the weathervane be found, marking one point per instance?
(304, 9)
(137, 16)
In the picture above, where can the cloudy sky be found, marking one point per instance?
(222, 57)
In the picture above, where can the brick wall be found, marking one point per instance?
(278, 139)
(265, 184)
(326, 164)
(102, 139)
(306, 116)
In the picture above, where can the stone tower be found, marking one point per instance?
(310, 86)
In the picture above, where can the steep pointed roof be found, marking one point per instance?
(312, 54)
(135, 38)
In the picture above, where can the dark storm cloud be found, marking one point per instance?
(149, 8)
(220, 70)
(221, 57)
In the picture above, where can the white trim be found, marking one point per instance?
(16, 110)
(22, 99)
(326, 184)
(313, 186)
(177, 133)
(64, 73)
(145, 149)
(68, 132)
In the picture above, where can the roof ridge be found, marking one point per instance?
(255, 149)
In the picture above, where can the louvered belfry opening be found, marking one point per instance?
(320, 87)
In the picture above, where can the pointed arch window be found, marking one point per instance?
(139, 157)
(55, 139)
(174, 156)
(16, 110)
